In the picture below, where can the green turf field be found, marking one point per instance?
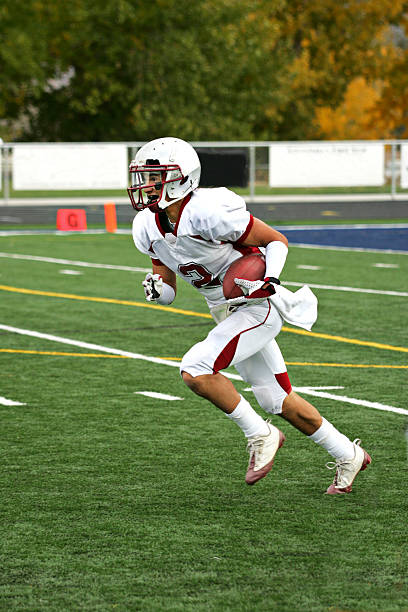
(111, 500)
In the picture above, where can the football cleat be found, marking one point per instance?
(347, 469)
(262, 451)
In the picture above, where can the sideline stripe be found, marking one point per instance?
(105, 349)
(302, 245)
(344, 226)
(199, 314)
(85, 264)
(178, 359)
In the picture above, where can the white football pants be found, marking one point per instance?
(246, 340)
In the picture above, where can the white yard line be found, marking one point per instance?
(8, 402)
(69, 262)
(316, 391)
(352, 289)
(86, 264)
(385, 265)
(320, 392)
(87, 345)
(349, 400)
(162, 396)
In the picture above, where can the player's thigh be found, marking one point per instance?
(242, 334)
(263, 365)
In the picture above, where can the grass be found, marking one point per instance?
(111, 500)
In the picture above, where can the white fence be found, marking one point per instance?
(272, 166)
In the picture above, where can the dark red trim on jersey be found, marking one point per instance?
(245, 250)
(159, 225)
(227, 354)
(284, 382)
(156, 262)
(182, 207)
(248, 229)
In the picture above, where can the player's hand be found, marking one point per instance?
(255, 292)
(152, 286)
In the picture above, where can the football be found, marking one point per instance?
(251, 267)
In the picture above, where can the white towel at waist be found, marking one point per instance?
(298, 308)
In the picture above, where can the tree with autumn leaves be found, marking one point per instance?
(93, 70)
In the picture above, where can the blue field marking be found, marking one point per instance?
(392, 237)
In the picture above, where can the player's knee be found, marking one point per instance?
(270, 400)
(195, 362)
(195, 383)
(188, 379)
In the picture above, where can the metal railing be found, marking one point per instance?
(258, 161)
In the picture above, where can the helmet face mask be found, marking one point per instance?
(164, 171)
(149, 184)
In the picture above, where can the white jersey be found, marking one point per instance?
(206, 239)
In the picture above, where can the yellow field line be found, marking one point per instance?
(388, 347)
(344, 365)
(293, 363)
(87, 298)
(191, 313)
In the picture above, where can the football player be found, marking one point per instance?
(195, 234)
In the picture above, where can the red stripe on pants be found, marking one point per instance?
(284, 382)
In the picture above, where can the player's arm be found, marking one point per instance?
(160, 286)
(276, 247)
(262, 234)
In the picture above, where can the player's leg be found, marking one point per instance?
(266, 372)
(233, 340)
(349, 457)
(236, 338)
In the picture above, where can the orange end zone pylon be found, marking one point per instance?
(110, 217)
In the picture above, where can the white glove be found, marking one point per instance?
(153, 287)
(254, 294)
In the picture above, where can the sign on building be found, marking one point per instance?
(326, 165)
(70, 166)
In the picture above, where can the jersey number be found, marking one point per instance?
(199, 275)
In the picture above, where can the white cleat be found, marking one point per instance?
(347, 469)
(262, 451)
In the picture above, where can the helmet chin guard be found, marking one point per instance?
(164, 171)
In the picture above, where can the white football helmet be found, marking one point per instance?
(164, 171)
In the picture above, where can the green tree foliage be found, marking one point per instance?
(333, 43)
(109, 70)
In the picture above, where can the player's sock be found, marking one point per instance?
(248, 420)
(336, 443)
